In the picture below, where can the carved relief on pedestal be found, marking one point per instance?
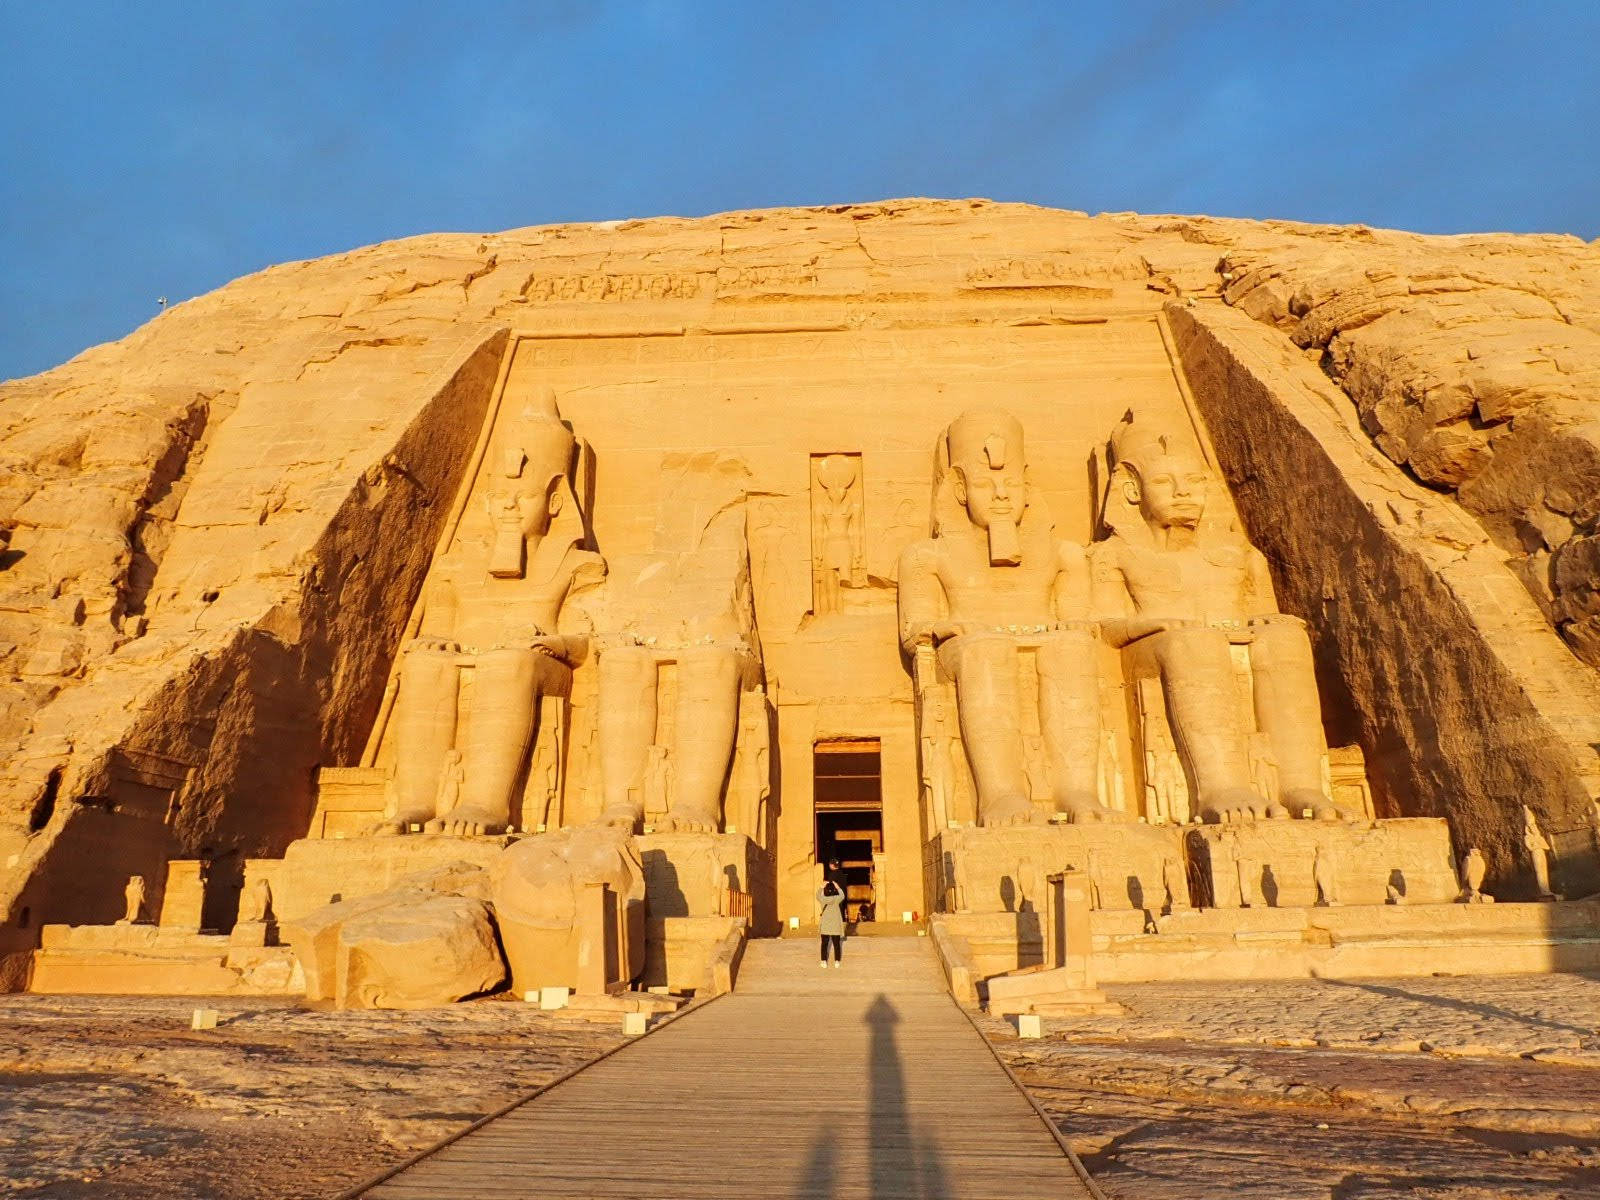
(838, 546)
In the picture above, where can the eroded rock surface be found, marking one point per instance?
(1445, 1088)
(113, 1098)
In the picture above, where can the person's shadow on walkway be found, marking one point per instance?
(902, 1163)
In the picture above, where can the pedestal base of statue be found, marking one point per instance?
(318, 871)
(1003, 869)
(1059, 992)
(147, 960)
(699, 889)
(1273, 864)
(1346, 941)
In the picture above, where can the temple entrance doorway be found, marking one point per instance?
(847, 787)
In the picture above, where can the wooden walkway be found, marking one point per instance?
(863, 1083)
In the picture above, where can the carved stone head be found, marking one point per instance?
(988, 471)
(1161, 476)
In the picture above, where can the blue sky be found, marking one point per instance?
(163, 148)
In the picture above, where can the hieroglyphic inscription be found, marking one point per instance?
(664, 286)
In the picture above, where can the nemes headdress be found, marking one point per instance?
(1134, 446)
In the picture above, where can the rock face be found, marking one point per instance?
(217, 527)
(1475, 363)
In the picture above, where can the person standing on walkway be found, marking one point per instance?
(830, 899)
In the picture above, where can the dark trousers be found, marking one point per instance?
(838, 946)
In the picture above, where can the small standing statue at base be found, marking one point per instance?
(1246, 871)
(133, 894)
(1325, 872)
(1473, 869)
(1175, 881)
(256, 925)
(1538, 853)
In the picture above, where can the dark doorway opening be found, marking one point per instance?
(847, 788)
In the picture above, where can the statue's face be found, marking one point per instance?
(538, 514)
(988, 468)
(993, 495)
(1171, 492)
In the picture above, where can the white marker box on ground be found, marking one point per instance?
(635, 1023)
(1030, 1025)
(204, 1018)
(554, 997)
(794, 922)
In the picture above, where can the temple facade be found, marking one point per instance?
(998, 573)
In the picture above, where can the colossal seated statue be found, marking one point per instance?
(1177, 584)
(677, 649)
(992, 582)
(462, 776)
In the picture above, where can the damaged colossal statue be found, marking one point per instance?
(994, 595)
(677, 649)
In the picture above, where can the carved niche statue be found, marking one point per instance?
(462, 777)
(837, 557)
(992, 583)
(1176, 583)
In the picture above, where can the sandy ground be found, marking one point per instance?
(111, 1097)
(1437, 1089)
(1466, 1089)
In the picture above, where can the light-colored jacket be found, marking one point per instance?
(832, 921)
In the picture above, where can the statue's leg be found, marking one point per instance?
(988, 704)
(1069, 719)
(707, 719)
(424, 730)
(504, 704)
(1288, 712)
(627, 719)
(1202, 703)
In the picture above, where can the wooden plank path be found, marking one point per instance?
(863, 1082)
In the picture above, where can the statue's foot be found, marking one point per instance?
(1277, 812)
(1234, 804)
(468, 820)
(1086, 810)
(688, 820)
(1322, 808)
(1011, 810)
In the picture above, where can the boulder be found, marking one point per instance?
(426, 941)
(418, 953)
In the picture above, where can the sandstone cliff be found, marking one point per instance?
(215, 527)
